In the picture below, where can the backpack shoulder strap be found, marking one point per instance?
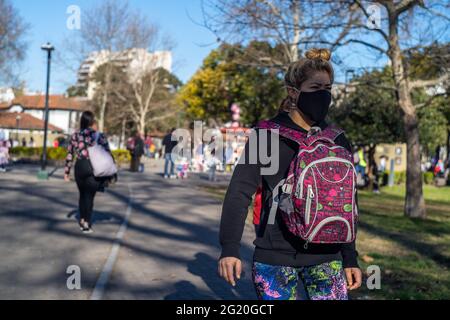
(283, 131)
(330, 134)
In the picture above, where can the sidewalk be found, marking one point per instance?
(171, 246)
(169, 250)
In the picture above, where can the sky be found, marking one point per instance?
(47, 20)
(177, 18)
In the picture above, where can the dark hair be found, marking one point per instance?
(87, 120)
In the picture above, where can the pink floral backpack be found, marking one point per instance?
(317, 199)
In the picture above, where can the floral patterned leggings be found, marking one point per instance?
(321, 282)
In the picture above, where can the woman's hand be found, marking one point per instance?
(66, 178)
(228, 268)
(354, 278)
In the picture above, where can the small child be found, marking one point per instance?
(182, 168)
(4, 155)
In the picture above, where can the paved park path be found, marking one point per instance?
(153, 239)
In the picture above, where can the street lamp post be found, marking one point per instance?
(49, 49)
(347, 73)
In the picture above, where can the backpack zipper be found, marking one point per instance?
(309, 198)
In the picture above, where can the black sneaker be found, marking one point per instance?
(87, 230)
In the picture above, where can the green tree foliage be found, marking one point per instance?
(370, 114)
(76, 91)
(228, 75)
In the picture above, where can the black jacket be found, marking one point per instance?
(138, 150)
(274, 244)
(168, 143)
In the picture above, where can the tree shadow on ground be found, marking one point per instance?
(410, 241)
(205, 266)
(98, 217)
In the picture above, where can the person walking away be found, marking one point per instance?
(168, 146)
(4, 155)
(316, 251)
(137, 153)
(87, 183)
(24, 142)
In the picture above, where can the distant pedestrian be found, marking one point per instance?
(212, 162)
(137, 152)
(152, 150)
(383, 164)
(147, 143)
(169, 145)
(360, 166)
(24, 142)
(439, 169)
(4, 155)
(87, 183)
(31, 143)
(376, 172)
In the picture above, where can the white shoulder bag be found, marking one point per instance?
(101, 160)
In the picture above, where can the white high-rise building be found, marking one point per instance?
(133, 61)
(6, 95)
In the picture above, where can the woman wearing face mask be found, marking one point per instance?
(284, 268)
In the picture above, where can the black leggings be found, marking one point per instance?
(87, 186)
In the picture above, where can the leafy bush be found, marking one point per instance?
(400, 177)
(56, 154)
(428, 177)
(60, 153)
(121, 156)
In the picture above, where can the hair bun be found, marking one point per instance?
(315, 54)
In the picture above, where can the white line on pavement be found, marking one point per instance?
(103, 279)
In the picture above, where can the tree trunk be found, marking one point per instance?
(141, 124)
(414, 201)
(101, 115)
(297, 32)
(122, 134)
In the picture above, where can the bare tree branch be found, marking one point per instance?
(428, 83)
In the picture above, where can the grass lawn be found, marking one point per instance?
(413, 255)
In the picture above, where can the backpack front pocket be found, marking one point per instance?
(337, 236)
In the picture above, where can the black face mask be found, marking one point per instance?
(314, 105)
